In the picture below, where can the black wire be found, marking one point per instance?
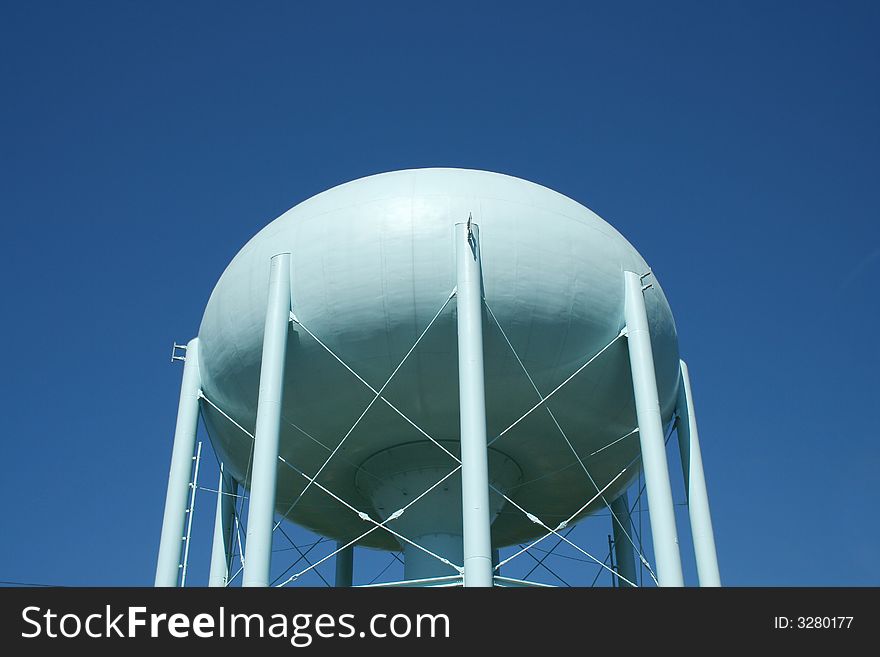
(604, 563)
(303, 556)
(10, 583)
(301, 547)
(541, 562)
(545, 567)
(394, 558)
(564, 556)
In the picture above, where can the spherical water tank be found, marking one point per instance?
(373, 261)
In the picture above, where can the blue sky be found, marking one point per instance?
(736, 145)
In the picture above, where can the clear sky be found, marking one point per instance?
(735, 144)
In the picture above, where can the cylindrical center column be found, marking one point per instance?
(477, 539)
(344, 565)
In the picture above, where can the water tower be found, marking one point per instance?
(443, 362)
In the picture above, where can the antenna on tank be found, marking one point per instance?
(470, 234)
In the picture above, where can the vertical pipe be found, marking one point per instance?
(623, 549)
(344, 565)
(695, 485)
(224, 521)
(261, 510)
(477, 541)
(171, 541)
(641, 359)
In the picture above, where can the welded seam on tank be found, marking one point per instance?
(565, 436)
(557, 388)
(361, 514)
(377, 395)
(559, 527)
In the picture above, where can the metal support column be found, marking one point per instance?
(656, 468)
(224, 528)
(477, 540)
(695, 485)
(261, 510)
(623, 548)
(344, 565)
(171, 541)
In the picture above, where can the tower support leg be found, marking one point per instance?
(224, 527)
(656, 468)
(344, 565)
(695, 485)
(623, 552)
(174, 520)
(261, 509)
(477, 541)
